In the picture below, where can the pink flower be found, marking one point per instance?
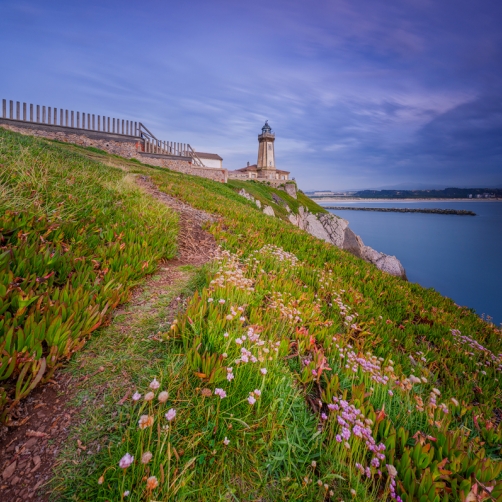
(263, 371)
(154, 385)
(163, 396)
(149, 396)
(226, 441)
(221, 302)
(238, 341)
(251, 400)
(145, 421)
(126, 461)
(151, 483)
(257, 392)
(230, 376)
(220, 392)
(171, 414)
(136, 396)
(146, 457)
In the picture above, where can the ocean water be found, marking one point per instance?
(458, 256)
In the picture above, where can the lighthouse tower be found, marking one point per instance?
(266, 157)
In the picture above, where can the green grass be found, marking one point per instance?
(75, 236)
(334, 334)
(264, 192)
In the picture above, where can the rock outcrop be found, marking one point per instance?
(335, 230)
(268, 210)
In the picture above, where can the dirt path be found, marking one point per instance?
(29, 447)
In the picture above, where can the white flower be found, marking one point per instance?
(226, 441)
(154, 385)
(225, 335)
(209, 300)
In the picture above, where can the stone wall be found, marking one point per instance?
(125, 146)
(182, 166)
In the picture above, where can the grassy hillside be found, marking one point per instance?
(75, 235)
(296, 372)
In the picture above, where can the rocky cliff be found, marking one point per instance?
(335, 230)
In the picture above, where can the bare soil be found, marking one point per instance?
(32, 439)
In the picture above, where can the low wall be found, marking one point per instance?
(125, 146)
(183, 166)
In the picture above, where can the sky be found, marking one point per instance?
(360, 93)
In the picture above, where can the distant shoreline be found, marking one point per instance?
(352, 199)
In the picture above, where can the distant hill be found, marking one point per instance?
(447, 193)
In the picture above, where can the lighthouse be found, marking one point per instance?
(266, 157)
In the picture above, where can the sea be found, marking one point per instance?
(458, 256)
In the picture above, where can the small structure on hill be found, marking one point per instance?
(264, 169)
(212, 160)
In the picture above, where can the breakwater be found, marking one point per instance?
(461, 212)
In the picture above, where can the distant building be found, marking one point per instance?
(470, 196)
(211, 160)
(264, 169)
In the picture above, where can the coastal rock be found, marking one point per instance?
(290, 189)
(335, 230)
(258, 203)
(246, 195)
(269, 211)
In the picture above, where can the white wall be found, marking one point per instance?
(212, 162)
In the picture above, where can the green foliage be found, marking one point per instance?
(346, 382)
(75, 236)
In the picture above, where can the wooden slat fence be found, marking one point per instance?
(68, 118)
(47, 115)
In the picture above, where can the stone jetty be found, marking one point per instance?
(461, 212)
